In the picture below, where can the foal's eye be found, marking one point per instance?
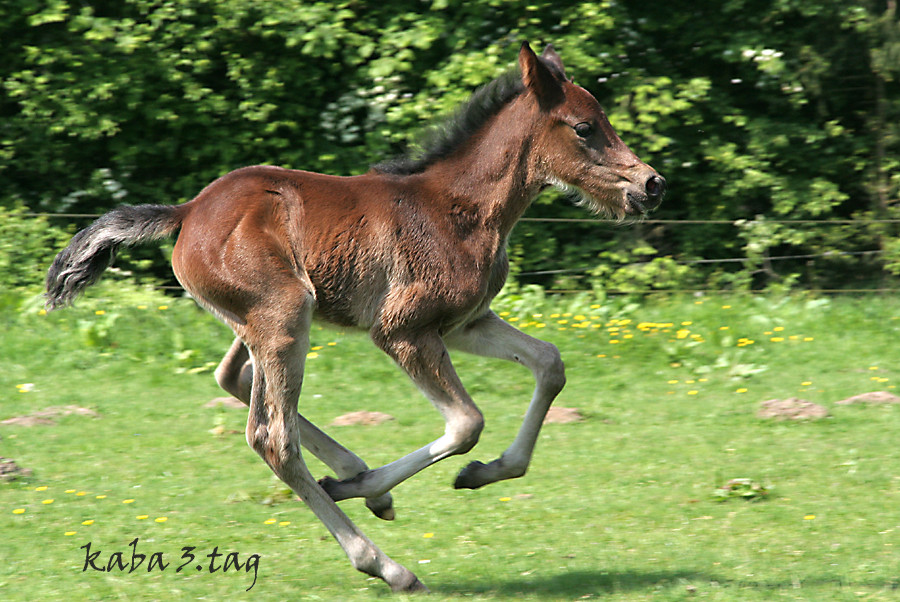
(584, 129)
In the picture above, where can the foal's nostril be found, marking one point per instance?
(655, 187)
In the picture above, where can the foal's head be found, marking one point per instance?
(576, 147)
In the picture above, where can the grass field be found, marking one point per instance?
(619, 506)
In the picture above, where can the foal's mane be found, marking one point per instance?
(444, 138)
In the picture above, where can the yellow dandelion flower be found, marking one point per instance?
(428, 535)
(726, 307)
(809, 517)
(101, 497)
(777, 339)
(806, 383)
(162, 519)
(71, 490)
(142, 307)
(129, 501)
(163, 307)
(142, 516)
(19, 511)
(99, 312)
(80, 493)
(808, 339)
(741, 390)
(50, 501)
(693, 392)
(682, 333)
(42, 312)
(672, 382)
(284, 523)
(332, 344)
(505, 499)
(312, 355)
(873, 367)
(316, 348)
(270, 521)
(87, 522)
(778, 328)
(41, 488)
(68, 533)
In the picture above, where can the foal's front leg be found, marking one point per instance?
(425, 359)
(492, 337)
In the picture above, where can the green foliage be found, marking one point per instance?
(27, 246)
(785, 110)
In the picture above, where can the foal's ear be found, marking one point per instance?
(539, 78)
(549, 54)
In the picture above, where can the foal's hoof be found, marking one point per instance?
(382, 506)
(413, 586)
(471, 477)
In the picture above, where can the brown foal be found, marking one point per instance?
(412, 251)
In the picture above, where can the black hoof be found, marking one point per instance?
(467, 478)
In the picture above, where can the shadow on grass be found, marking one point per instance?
(580, 583)
(570, 585)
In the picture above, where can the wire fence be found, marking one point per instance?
(584, 271)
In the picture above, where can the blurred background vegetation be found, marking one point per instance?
(776, 122)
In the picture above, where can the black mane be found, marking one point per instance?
(443, 139)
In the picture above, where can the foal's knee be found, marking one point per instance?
(463, 433)
(551, 371)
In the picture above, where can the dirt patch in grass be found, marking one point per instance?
(561, 415)
(875, 397)
(226, 402)
(10, 471)
(792, 408)
(362, 417)
(49, 415)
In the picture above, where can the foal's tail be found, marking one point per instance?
(91, 251)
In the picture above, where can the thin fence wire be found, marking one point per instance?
(583, 271)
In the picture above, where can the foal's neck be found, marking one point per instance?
(494, 171)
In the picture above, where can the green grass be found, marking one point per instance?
(617, 507)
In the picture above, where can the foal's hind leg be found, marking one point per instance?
(235, 375)
(492, 337)
(278, 345)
